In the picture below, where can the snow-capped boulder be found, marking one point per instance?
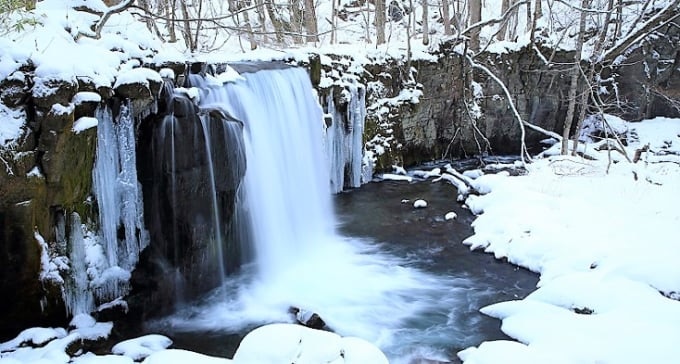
(296, 344)
(420, 204)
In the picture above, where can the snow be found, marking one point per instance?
(11, 125)
(290, 343)
(177, 356)
(269, 344)
(84, 123)
(395, 177)
(86, 96)
(34, 336)
(450, 215)
(141, 347)
(605, 245)
(139, 75)
(167, 73)
(419, 204)
(35, 172)
(82, 320)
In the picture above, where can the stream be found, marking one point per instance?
(407, 283)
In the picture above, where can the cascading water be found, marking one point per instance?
(286, 183)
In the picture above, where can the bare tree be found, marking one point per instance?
(502, 30)
(475, 10)
(446, 15)
(334, 20)
(380, 21)
(426, 23)
(310, 21)
(575, 75)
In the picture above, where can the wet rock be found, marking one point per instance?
(308, 318)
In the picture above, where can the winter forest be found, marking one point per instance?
(339, 181)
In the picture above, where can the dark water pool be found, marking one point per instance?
(467, 280)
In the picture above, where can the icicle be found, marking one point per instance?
(129, 190)
(344, 139)
(105, 181)
(119, 198)
(356, 116)
(77, 296)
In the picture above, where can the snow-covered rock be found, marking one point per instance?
(420, 204)
(289, 343)
(141, 347)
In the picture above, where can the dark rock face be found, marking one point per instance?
(187, 157)
(60, 163)
(48, 175)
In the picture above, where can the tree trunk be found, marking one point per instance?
(538, 13)
(573, 85)
(334, 16)
(503, 29)
(171, 24)
(249, 31)
(296, 21)
(380, 21)
(446, 14)
(276, 22)
(310, 21)
(408, 36)
(198, 23)
(426, 23)
(475, 10)
(187, 34)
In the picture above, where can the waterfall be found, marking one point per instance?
(287, 193)
(344, 137)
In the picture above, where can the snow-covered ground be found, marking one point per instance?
(607, 250)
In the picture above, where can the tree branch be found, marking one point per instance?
(493, 21)
(104, 17)
(661, 19)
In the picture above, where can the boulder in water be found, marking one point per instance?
(308, 318)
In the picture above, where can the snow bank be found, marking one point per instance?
(604, 239)
(275, 343)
